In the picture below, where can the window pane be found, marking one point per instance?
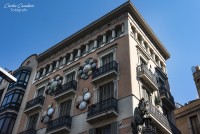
(15, 98)
(107, 59)
(6, 125)
(195, 124)
(22, 78)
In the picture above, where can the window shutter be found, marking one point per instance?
(114, 128)
(92, 131)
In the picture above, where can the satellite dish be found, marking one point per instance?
(87, 96)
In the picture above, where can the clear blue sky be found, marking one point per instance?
(175, 22)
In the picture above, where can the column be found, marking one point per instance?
(57, 63)
(159, 63)
(142, 41)
(44, 72)
(50, 68)
(64, 60)
(122, 28)
(148, 49)
(87, 48)
(95, 43)
(79, 52)
(135, 34)
(104, 38)
(113, 33)
(153, 56)
(71, 56)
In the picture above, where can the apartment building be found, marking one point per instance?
(108, 78)
(188, 116)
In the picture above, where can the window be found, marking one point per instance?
(106, 91)
(40, 91)
(107, 59)
(7, 121)
(32, 121)
(22, 77)
(99, 40)
(69, 77)
(104, 130)
(12, 100)
(195, 125)
(91, 45)
(108, 129)
(109, 36)
(118, 30)
(64, 108)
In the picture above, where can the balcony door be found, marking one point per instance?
(69, 77)
(64, 108)
(32, 121)
(107, 59)
(106, 91)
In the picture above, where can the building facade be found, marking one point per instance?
(188, 116)
(108, 78)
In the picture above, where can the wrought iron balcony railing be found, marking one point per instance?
(103, 106)
(70, 85)
(157, 115)
(174, 129)
(112, 66)
(34, 102)
(64, 121)
(143, 70)
(29, 131)
(166, 94)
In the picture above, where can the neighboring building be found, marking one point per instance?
(108, 78)
(12, 105)
(188, 116)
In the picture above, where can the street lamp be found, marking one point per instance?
(5, 75)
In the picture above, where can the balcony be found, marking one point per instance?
(34, 104)
(174, 129)
(67, 89)
(147, 77)
(104, 109)
(167, 98)
(60, 125)
(104, 72)
(29, 131)
(158, 119)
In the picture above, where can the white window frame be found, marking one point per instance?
(113, 50)
(68, 72)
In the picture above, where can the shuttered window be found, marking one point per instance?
(195, 125)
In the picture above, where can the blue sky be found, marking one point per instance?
(175, 22)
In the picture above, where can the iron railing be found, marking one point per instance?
(29, 131)
(163, 92)
(64, 121)
(34, 102)
(105, 69)
(174, 129)
(70, 85)
(158, 115)
(103, 106)
(142, 69)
